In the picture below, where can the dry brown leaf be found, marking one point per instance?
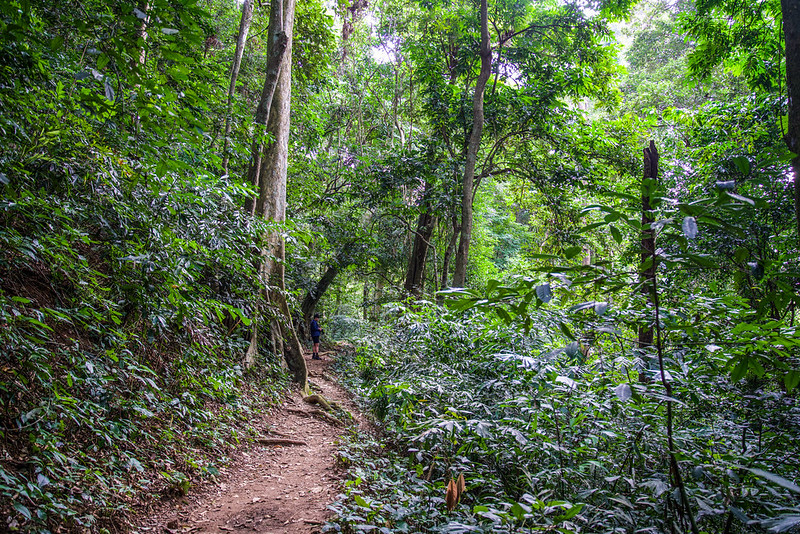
(461, 486)
(451, 497)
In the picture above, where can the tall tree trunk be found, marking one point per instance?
(415, 273)
(365, 301)
(279, 47)
(448, 253)
(312, 298)
(791, 33)
(419, 253)
(241, 39)
(143, 14)
(462, 257)
(272, 175)
(647, 273)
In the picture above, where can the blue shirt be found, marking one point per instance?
(315, 329)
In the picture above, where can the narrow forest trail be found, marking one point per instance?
(271, 488)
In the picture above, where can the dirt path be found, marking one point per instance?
(271, 488)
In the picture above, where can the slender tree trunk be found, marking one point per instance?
(278, 39)
(791, 33)
(365, 301)
(312, 298)
(272, 175)
(377, 297)
(141, 31)
(143, 14)
(241, 39)
(419, 253)
(448, 253)
(415, 273)
(647, 271)
(462, 257)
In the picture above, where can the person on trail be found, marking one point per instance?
(316, 331)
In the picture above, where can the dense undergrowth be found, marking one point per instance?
(552, 438)
(128, 271)
(122, 332)
(126, 287)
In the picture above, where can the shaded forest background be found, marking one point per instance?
(561, 239)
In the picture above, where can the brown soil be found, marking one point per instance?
(271, 488)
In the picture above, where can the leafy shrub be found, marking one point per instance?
(558, 438)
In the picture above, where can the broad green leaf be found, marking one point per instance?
(543, 293)
(740, 198)
(775, 479)
(503, 314)
(689, 227)
(572, 512)
(565, 330)
(567, 381)
(615, 233)
(623, 392)
(782, 523)
(742, 164)
(22, 509)
(573, 349)
(741, 254)
(792, 379)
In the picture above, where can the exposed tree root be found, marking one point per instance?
(328, 417)
(280, 441)
(318, 399)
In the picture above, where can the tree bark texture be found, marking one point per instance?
(791, 34)
(647, 273)
(241, 40)
(462, 256)
(448, 253)
(279, 40)
(311, 300)
(272, 176)
(416, 262)
(141, 31)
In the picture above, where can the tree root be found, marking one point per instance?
(318, 399)
(280, 441)
(328, 417)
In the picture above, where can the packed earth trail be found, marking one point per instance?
(282, 484)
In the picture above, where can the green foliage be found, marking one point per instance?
(128, 275)
(550, 436)
(747, 38)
